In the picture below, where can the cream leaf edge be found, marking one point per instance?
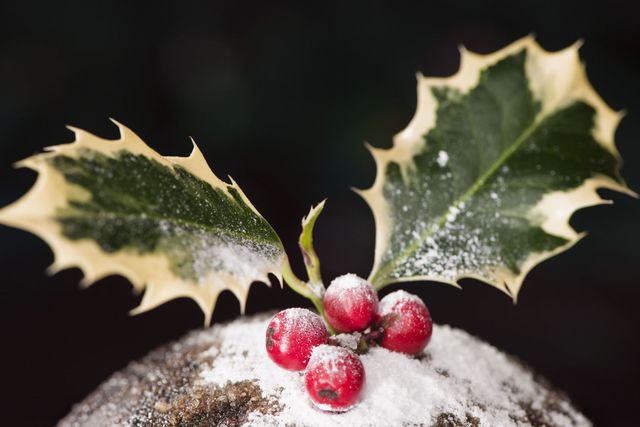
(34, 212)
(556, 80)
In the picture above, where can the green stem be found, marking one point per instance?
(306, 290)
(294, 282)
(305, 242)
(318, 304)
(311, 263)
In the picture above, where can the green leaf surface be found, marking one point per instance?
(142, 206)
(484, 180)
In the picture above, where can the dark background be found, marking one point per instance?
(282, 98)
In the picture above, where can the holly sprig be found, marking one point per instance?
(482, 183)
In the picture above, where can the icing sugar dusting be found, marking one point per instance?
(345, 286)
(203, 256)
(331, 358)
(443, 158)
(347, 340)
(299, 319)
(389, 302)
(457, 375)
(348, 281)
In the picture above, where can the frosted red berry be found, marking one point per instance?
(291, 336)
(350, 303)
(406, 323)
(334, 378)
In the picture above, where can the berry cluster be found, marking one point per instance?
(297, 339)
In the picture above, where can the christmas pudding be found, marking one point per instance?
(222, 376)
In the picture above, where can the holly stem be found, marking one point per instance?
(310, 290)
(305, 243)
(294, 282)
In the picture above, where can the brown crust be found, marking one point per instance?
(162, 389)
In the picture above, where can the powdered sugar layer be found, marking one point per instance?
(328, 355)
(389, 302)
(457, 375)
(351, 291)
(344, 287)
(300, 319)
(348, 281)
(349, 341)
(297, 331)
(337, 371)
(350, 303)
(333, 358)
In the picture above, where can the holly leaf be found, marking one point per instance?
(483, 181)
(168, 224)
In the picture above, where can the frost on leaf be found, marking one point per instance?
(483, 181)
(168, 224)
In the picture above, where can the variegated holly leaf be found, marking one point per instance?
(168, 224)
(483, 181)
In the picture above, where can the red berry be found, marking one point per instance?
(406, 323)
(334, 378)
(350, 303)
(291, 336)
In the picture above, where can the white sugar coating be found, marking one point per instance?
(337, 368)
(348, 281)
(327, 353)
(298, 319)
(331, 358)
(443, 158)
(450, 240)
(208, 257)
(347, 340)
(388, 302)
(345, 286)
(458, 375)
